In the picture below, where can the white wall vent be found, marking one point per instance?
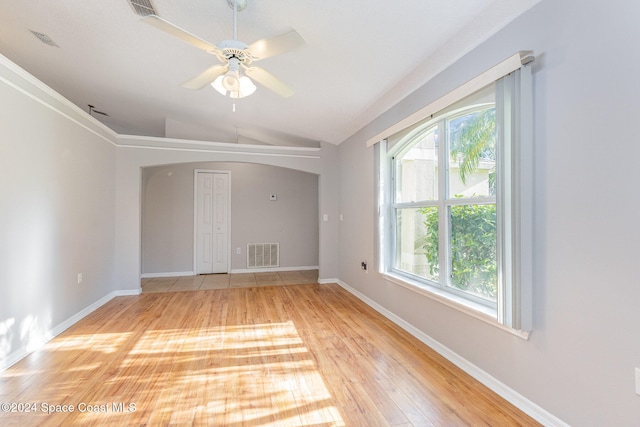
(261, 255)
(143, 7)
(44, 38)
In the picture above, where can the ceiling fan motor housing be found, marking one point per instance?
(228, 49)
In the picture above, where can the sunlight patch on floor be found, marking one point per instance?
(260, 374)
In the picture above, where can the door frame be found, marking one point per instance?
(195, 216)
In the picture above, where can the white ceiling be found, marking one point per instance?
(360, 58)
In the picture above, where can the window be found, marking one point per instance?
(443, 176)
(455, 202)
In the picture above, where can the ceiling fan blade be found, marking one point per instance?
(269, 81)
(178, 32)
(206, 77)
(265, 48)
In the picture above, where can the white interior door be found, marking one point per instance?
(220, 222)
(212, 223)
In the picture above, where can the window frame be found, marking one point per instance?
(443, 202)
(513, 81)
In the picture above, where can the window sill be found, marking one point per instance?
(470, 308)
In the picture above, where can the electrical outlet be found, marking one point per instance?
(79, 278)
(638, 381)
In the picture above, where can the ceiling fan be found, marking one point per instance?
(235, 56)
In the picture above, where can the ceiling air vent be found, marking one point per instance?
(44, 38)
(143, 7)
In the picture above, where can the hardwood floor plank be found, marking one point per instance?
(294, 355)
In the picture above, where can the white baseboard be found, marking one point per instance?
(273, 269)
(127, 292)
(507, 393)
(167, 274)
(325, 281)
(47, 336)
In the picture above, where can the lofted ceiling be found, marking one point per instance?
(360, 58)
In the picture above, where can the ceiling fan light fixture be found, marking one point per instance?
(245, 87)
(217, 85)
(231, 80)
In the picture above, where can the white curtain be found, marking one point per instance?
(515, 198)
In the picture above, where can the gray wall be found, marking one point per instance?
(139, 153)
(57, 213)
(291, 220)
(578, 364)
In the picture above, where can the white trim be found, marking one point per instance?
(463, 305)
(195, 219)
(24, 351)
(91, 124)
(233, 147)
(519, 401)
(325, 281)
(167, 274)
(127, 292)
(276, 269)
(203, 150)
(491, 75)
(82, 116)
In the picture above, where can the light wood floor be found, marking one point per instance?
(297, 355)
